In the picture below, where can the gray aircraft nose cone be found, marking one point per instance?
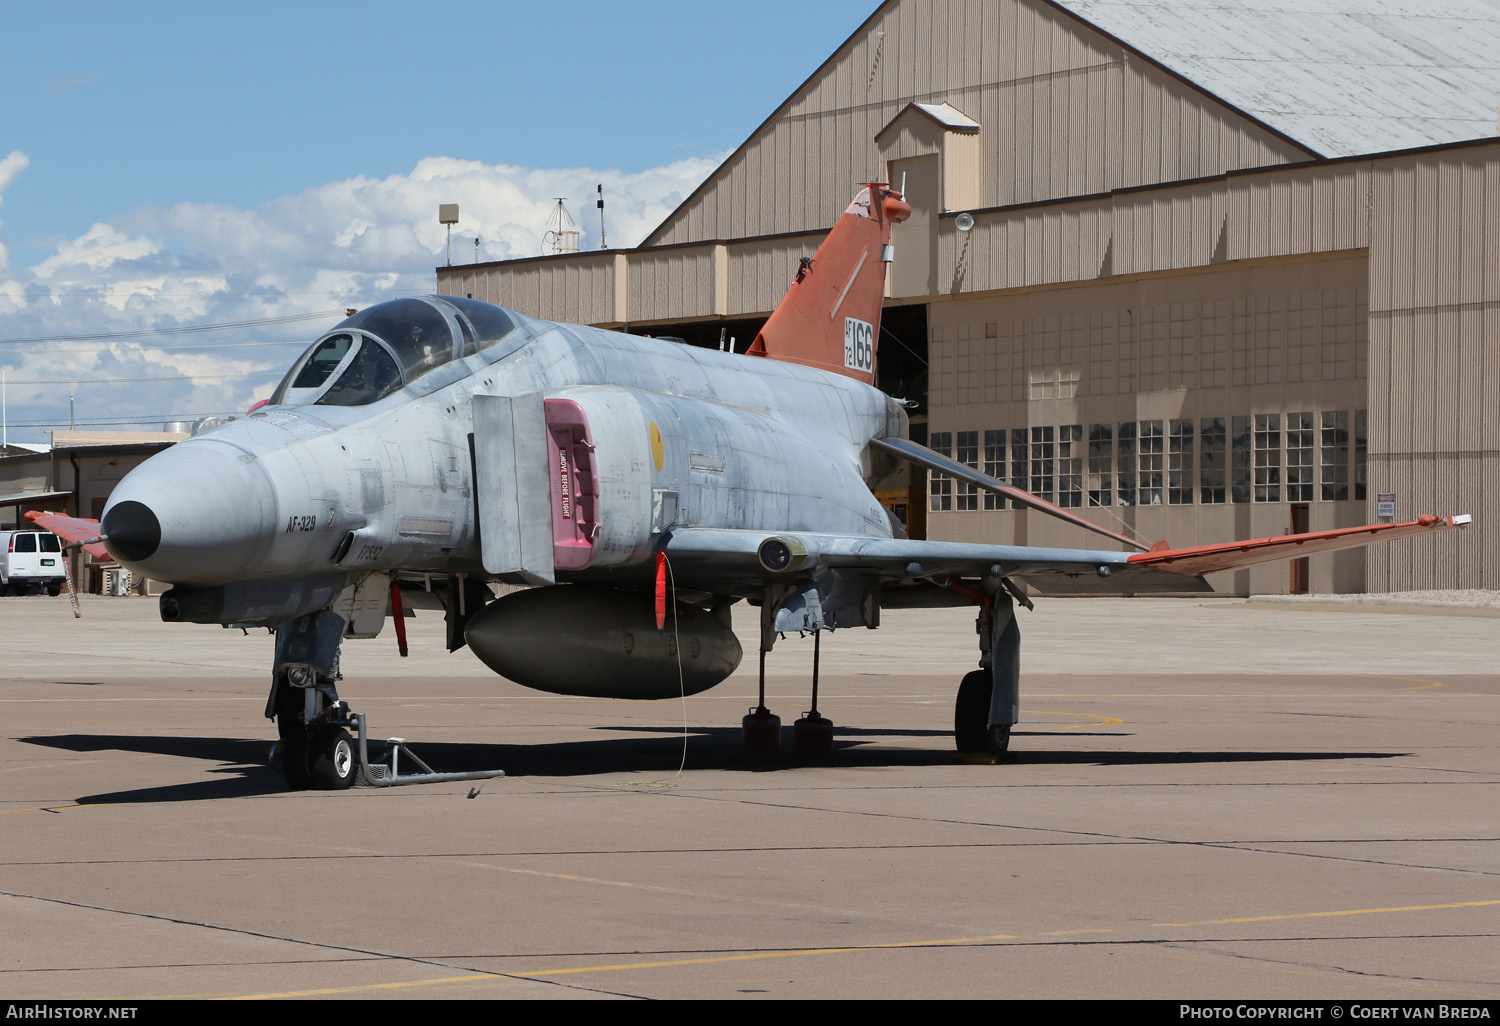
(199, 513)
(132, 529)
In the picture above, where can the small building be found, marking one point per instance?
(75, 475)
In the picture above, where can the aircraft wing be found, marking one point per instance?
(73, 531)
(915, 452)
(707, 554)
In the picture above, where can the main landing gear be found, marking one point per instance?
(316, 749)
(989, 698)
(987, 706)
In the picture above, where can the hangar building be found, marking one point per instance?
(1229, 268)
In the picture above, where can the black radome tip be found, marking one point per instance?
(131, 531)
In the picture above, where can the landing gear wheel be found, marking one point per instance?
(971, 713)
(331, 759)
(292, 750)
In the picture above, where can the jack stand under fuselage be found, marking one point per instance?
(761, 727)
(813, 733)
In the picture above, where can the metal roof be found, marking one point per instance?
(33, 498)
(947, 115)
(1342, 77)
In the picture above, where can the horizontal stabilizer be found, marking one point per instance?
(73, 531)
(912, 452)
(1206, 559)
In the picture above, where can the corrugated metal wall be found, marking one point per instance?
(1277, 336)
(579, 288)
(1066, 112)
(1430, 223)
(1435, 359)
(670, 285)
(760, 272)
(1243, 217)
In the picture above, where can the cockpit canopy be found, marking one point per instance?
(387, 346)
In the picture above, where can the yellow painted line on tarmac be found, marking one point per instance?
(1071, 933)
(896, 946)
(1095, 718)
(44, 808)
(1427, 682)
(523, 975)
(1341, 912)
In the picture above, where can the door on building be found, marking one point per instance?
(914, 272)
(1300, 522)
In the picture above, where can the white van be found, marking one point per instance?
(30, 560)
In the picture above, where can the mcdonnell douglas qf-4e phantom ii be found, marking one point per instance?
(445, 440)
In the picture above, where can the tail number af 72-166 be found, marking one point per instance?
(859, 345)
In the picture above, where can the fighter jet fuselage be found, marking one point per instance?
(552, 454)
(311, 489)
(639, 487)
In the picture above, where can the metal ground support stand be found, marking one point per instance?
(813, 733)
(761, 728)
(381, 775)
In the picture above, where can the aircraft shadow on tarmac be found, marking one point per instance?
(243, 770)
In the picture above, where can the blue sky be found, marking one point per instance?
(166, 164)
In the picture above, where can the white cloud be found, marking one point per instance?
(11, 166)
(342, 244)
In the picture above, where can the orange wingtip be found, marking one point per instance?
(72, 530)
(1206, 559)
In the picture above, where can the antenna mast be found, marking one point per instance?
(448, 215)
(603, 239)
(562, 234)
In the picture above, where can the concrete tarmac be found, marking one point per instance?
(1207, 799)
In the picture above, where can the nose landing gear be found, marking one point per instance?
(315, 749)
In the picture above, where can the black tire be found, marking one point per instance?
(54, 590)
(972, 732)
(331, 759)
(293, 733)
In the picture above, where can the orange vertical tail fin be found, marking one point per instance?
(830, 319)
